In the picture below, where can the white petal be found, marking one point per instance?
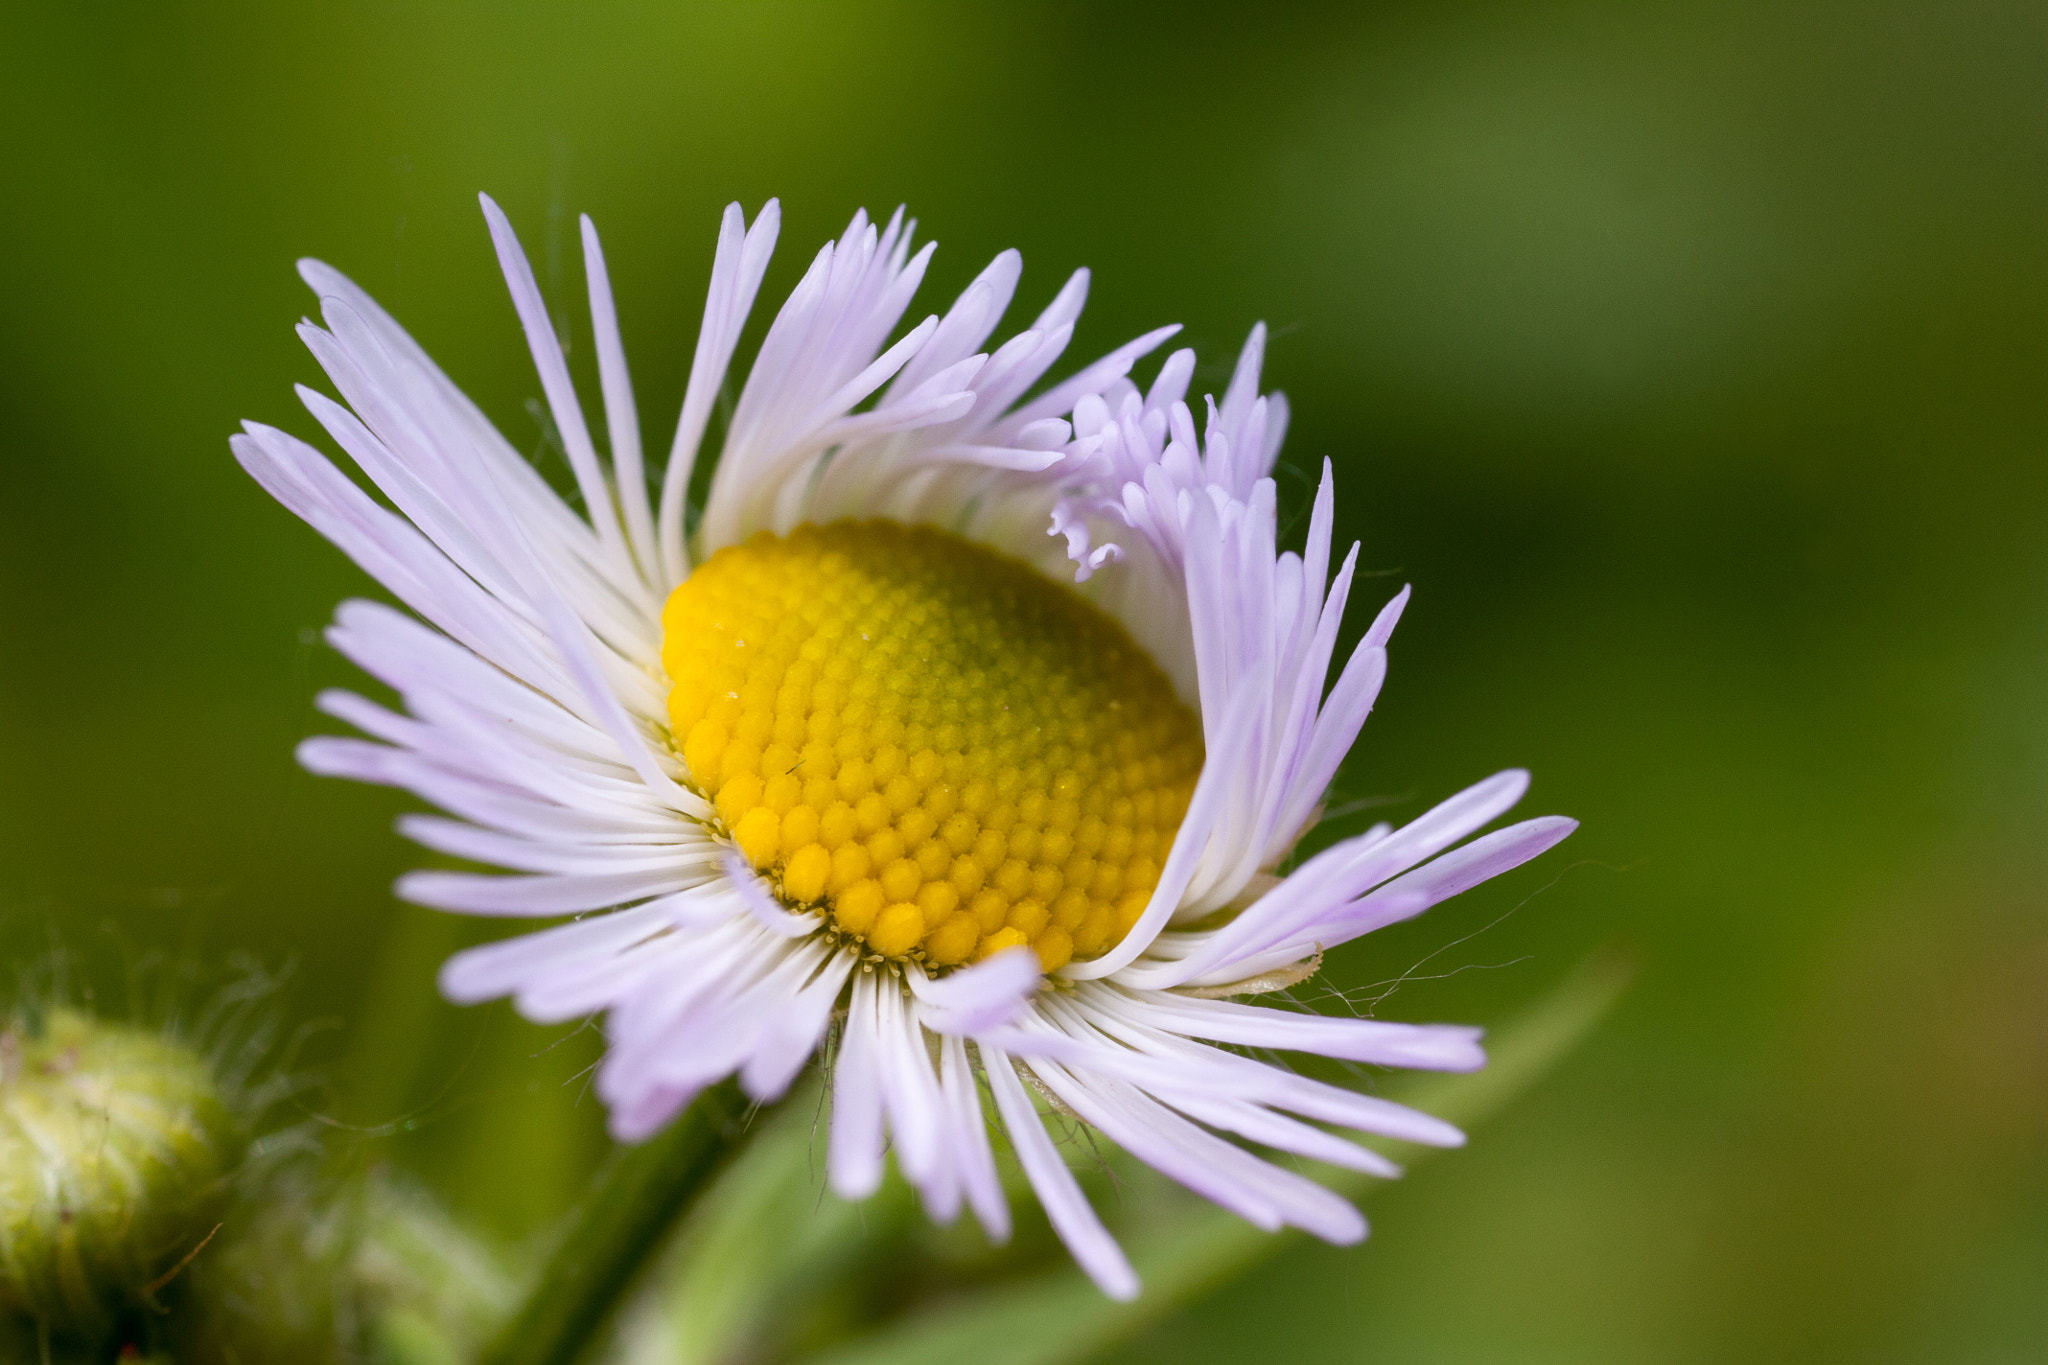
(1078, 1227)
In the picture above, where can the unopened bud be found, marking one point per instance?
(315, 1272)
(430, 1289)
(115, 1146)
(272, 1290)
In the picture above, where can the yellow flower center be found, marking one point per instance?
(938, 750)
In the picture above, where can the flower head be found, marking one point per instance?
(984, 716)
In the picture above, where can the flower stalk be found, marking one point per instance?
(639, 1195)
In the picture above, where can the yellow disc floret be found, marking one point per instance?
(937, 749)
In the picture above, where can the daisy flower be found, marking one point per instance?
(968, 724)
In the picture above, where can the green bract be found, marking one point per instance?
(115, 1146)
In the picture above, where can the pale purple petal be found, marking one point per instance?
(989, 995)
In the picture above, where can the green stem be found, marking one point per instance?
(635, 1200)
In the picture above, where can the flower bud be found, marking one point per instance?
(312, 1271)
(430, 1288)
(272, 1290)
(115, 1145)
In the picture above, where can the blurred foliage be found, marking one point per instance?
(1687, 358)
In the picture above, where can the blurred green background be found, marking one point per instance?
(1687, 358)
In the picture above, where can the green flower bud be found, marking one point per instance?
(115, 1147)
(273, 1288)
(431, 1292)
(312, 1271)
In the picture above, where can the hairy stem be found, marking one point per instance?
(634, 1201)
